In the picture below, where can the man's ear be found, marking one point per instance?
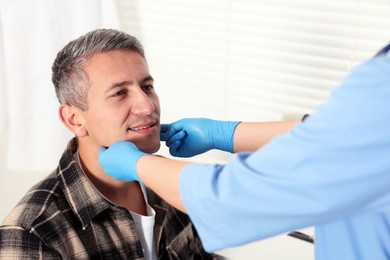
(72, 119)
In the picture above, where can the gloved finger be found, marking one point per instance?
(174, 148)
(176, 137)
(167, 131)
(164, 132)
(102, 157)
(101, 151)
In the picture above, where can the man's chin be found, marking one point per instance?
(149, 149)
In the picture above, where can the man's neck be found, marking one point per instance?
(125, 194)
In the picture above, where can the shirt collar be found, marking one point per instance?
(84, 199)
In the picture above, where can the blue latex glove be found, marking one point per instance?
(193, 136)
(120, 160)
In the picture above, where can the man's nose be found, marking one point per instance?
(142, 105)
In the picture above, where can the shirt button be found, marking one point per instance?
(191, 245)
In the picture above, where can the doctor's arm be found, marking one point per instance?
(166, 184)
(250, 136)
(192, 136)
(247, 136)
(123, 161)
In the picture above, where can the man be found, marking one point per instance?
(332, 171)
(106, 93)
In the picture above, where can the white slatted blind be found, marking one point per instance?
(252, 59)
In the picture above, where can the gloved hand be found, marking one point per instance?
(120, 160)
(193, 136)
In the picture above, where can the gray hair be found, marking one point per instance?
(70, 80)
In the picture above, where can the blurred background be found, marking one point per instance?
(248, 60)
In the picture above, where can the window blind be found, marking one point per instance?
(253, 60)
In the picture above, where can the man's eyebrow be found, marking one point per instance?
(121, 84)
(147, 78)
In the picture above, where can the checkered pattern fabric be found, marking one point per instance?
(65, 217)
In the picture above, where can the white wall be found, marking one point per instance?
(13, 185)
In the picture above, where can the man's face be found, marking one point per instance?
(122, 103)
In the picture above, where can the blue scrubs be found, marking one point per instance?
(331, 171)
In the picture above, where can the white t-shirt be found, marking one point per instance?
(144, 225)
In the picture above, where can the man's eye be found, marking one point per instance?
(148, 87)
(118, 93)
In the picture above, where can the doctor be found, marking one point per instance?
(331, 171)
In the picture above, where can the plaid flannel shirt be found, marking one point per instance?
(65, 217)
